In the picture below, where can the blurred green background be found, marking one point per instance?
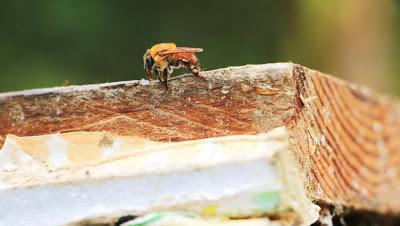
(44, 43)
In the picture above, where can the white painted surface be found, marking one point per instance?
(174, 176)
(59, 204)
(57, 150)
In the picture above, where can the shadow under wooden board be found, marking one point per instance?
(345, 137)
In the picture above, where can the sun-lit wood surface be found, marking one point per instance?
(346, 138)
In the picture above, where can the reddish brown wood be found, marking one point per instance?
(344, 136)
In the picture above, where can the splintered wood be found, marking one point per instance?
(345, 137)
(348, 140)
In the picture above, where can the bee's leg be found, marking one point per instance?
(196, 71)
(165, 75)
(170, 70)
(149, 75)
(159, 76)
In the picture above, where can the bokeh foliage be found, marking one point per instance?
(43, 43)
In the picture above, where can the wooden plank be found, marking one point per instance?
(344, 135)
(347, 138)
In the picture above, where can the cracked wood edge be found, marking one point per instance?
(344, 136)
(348, 138)
(191, 109)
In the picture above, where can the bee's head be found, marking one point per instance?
(148, 62)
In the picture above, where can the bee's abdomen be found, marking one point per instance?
(186, 59)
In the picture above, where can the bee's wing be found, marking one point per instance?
(180, 50)
(188, 49)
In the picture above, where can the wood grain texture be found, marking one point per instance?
(349, 142)
(345, 137)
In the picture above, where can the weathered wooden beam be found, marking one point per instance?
(345, 137)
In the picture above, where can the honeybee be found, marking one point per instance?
(163, 58)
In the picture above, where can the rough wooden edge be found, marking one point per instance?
(347, 137)
(344, 135)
